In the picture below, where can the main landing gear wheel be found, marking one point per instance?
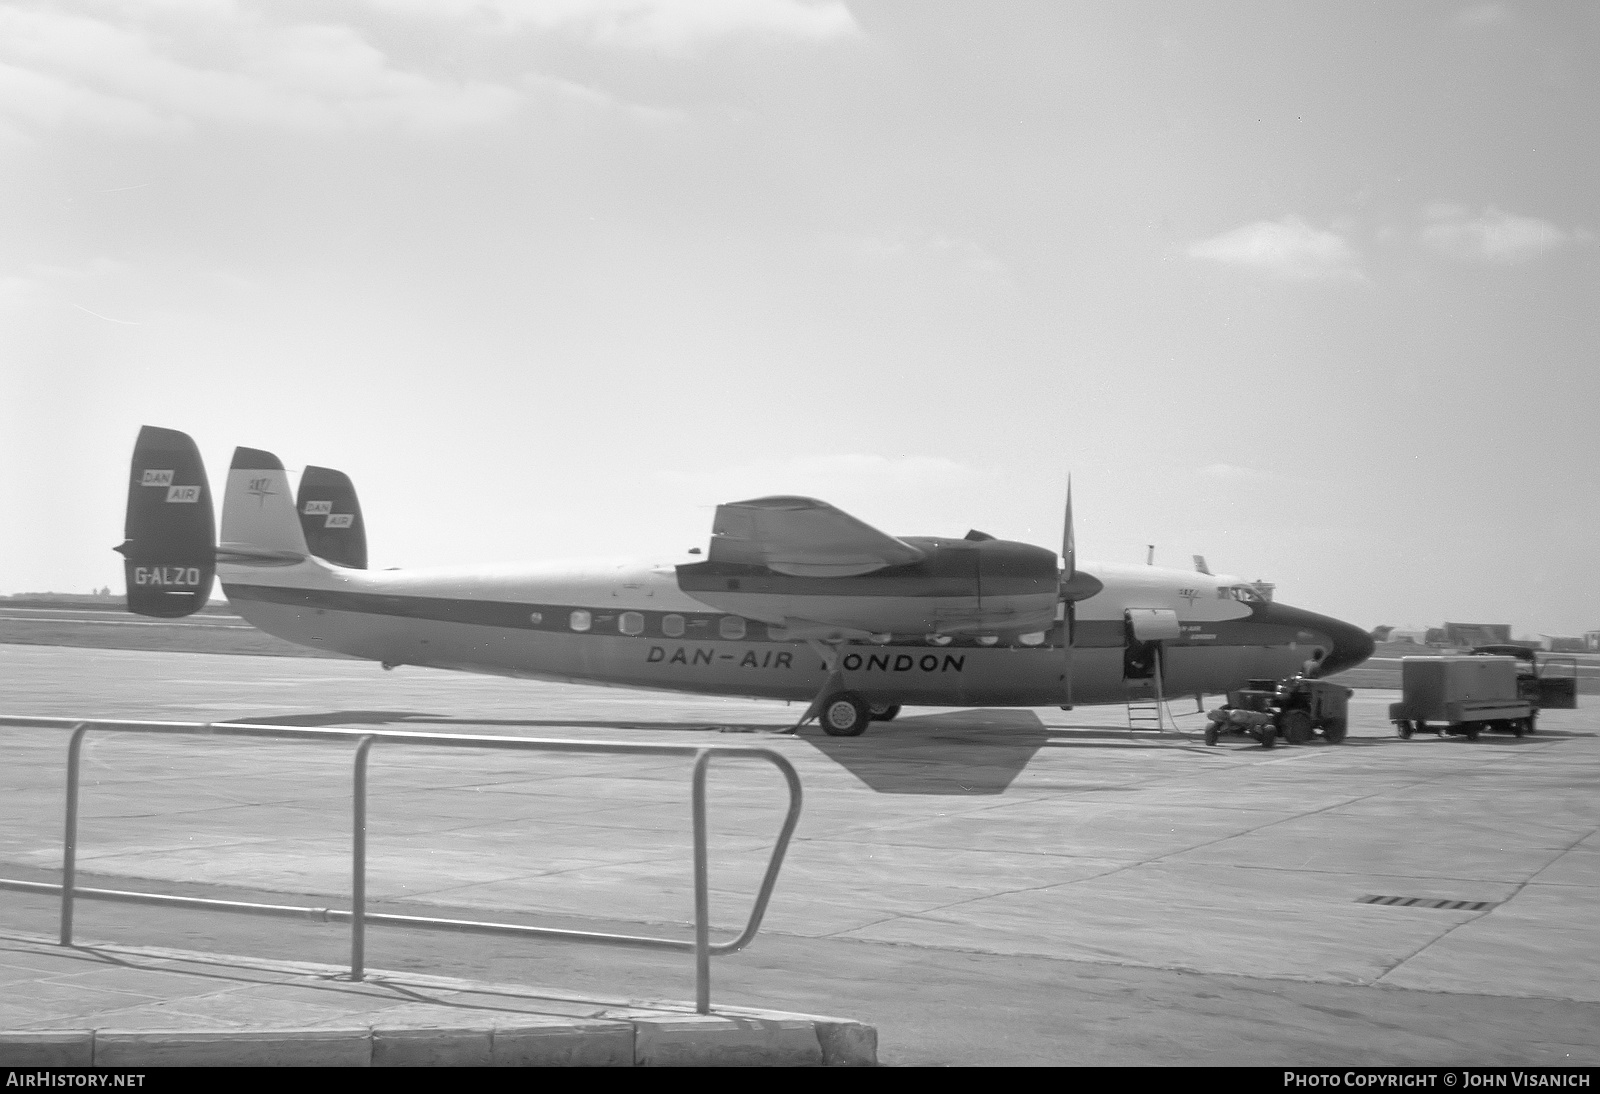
(845, 714)
(1334, 730)
(1295, 725)
(1269, 738)
(884, 712)
(1211, 734)
(1404, 729)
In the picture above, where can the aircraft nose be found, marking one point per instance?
(1351, 646)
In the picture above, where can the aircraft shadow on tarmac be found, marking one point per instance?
(970, 751)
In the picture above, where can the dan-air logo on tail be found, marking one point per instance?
(156, 478)
(325, 509)
(190, 494)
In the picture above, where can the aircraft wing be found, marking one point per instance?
(803, 537)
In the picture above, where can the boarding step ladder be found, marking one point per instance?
(1147, 707)
(1147, 711)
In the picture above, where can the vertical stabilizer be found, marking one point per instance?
(330, 518)
(169, 547)
(258, 517)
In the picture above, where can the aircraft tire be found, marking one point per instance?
(1295, 725)
(1404, 729)
(1472, 729)
(1269, 738)
(1211, 734)
(1334, 730)
(887, 714)
(845, 714)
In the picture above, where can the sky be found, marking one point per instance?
(1310, 289)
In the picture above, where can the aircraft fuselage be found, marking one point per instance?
(631, 625)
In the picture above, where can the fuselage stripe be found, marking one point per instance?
(697, 626)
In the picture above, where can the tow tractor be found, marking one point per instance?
(1295, 708)
(1539, 681)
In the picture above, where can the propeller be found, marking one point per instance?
(1069, 570)
(1073, 585)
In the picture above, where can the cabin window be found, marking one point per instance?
(672, 626)
(535, 617)
(732, 626)
(988, 639)
(580, 620)
(631, 623)
(1032, 638)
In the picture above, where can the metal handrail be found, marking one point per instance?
(702, 946)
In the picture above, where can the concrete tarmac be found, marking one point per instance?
(992, 886)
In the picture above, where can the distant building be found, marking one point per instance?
(1475, 634)
(1591, 641)
(1560, 643)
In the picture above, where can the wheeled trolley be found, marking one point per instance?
(1460, 695)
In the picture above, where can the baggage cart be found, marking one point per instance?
(1460, 695)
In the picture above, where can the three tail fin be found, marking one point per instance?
(170, 547)
(330, 517)
(258, 519)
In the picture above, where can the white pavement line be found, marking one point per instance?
(1309, 752)
(134, 623)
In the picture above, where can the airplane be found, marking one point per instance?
(793, 599)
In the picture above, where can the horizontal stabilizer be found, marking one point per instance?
(330, 517)
(169, 535)
(803, 537)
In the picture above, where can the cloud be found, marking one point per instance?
(161, 68)
(823, 476)
(668, 25)
(1246, 476)
(42, 280)
(1484, 15)
(917, 252)
(1493, 235)
(1288, 248)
